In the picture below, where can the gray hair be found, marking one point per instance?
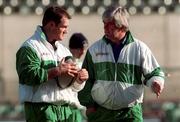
(117, 14)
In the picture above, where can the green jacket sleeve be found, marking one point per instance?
(28, 66)
(84, 95)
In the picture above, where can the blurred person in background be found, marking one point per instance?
(119, 66)
(40, 61)
(78, 44)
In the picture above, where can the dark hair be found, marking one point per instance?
(54, 13)
(78, 40)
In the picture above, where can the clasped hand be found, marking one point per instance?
(72, 70)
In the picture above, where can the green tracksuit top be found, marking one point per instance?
(115, 85)
(33, 59)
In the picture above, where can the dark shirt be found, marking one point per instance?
(117, 47)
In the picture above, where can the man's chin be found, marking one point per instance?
(60, 39)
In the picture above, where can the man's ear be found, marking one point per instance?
(51, 24)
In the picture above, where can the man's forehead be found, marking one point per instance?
(64, 20)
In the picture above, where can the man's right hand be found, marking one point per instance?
(63, 68)
(90, 110)
(69, 68)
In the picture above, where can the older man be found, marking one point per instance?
(116, 64)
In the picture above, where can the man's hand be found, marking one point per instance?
(82, 76)
(90, 110)
(157, 88)
(68, 68)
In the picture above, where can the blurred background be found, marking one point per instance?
(155, 22)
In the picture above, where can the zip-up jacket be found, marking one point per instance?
(115, 85)
(33, 60)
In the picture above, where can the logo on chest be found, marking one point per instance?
(45, 54)
(102, 54)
